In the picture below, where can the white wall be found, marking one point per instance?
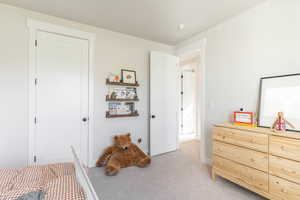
(263, 41)
(113, 50)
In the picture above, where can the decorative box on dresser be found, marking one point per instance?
(258, 159)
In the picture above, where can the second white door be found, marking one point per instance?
(61, 97)
(164, 103)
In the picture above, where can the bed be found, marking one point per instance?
(62, 181)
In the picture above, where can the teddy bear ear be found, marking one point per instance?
(128, 134)
(116, 137)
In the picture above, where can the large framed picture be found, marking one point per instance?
(279, 94)
(128, 76)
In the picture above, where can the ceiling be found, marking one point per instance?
(155, 20)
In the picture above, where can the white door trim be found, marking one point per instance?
(34, 26)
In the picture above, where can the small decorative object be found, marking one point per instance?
(123, 153)
(280, 124)
(113, 95)
(117, 79)
(113, 77)
(244, 118)
(128, 76)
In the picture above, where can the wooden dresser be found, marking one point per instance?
(258, 159)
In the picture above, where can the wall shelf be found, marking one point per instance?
(121, 100)
(120, 116)
(122, 84)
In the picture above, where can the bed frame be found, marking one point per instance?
(83, 179)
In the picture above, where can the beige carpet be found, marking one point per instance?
(173, 176)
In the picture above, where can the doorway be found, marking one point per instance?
(60, 94)
(165, 100)
(198, 48)
(188, 106)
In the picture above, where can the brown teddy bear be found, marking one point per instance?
(122, 154)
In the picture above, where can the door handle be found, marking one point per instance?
(153, 116)
(84, 119)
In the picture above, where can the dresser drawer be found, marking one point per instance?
(284, 168)
(247, 139)
(252, 177)
(285, 147)
(241, 155)
(284, 189)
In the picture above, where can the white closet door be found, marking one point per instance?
(62, 97)
(164, 103)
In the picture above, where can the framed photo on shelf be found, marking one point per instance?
(128, 108)
(113, 108)
(128, 76)
(122, 93)
(118, 108)
(117, 93)
(131, 93)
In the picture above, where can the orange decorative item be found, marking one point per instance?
(280, 124)
(117, 79)
(244, 118)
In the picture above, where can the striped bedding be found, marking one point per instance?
(57, 181)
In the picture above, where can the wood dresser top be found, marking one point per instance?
(267, 131)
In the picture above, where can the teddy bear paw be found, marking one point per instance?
(111, 171)
(144, 162)
(100, 164)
